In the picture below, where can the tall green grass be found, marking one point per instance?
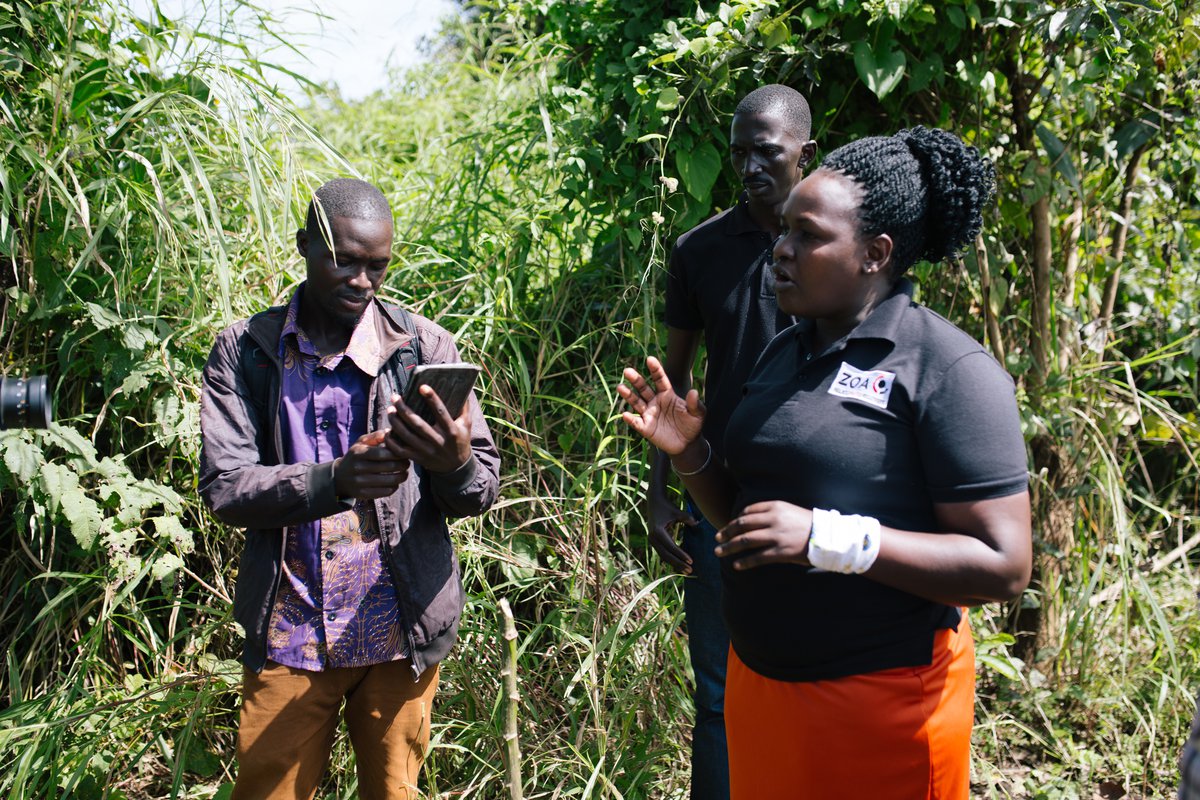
(151, 183)
(148, 184)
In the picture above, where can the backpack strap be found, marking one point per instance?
(400, 366)
(256, 369)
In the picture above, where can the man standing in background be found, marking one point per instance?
(720, 289)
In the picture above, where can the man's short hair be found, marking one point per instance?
(785, 101)
(347, 197)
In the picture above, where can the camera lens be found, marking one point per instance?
(24, 402)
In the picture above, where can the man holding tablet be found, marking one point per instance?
(348, 588)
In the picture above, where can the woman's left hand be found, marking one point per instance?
(771, 532)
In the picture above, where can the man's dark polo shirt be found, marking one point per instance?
(948, 432)
(719, 282)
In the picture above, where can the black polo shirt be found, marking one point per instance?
(719, 283)
(904, 412)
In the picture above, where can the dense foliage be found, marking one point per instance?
(539, 167)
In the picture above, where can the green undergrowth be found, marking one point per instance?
(1111, 729)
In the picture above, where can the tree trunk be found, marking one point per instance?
(1038, 627)
(1039, 214)
(992, 325)
(1120, 236)
(1068, 333)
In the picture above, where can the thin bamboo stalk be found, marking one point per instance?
(512, 697)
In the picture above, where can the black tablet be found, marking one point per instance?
(452, 382)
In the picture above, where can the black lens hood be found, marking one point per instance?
(24, 402)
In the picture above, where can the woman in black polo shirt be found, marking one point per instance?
(875, 483)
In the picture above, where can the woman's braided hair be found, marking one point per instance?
(924, 187)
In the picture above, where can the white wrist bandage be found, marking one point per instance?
(843, 543)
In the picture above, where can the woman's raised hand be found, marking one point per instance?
(669, 422)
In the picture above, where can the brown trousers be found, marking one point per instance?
(289, 718)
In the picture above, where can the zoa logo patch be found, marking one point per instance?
(873, 386)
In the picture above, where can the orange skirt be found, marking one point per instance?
(897, 734)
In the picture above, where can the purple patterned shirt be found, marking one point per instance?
(336, 605)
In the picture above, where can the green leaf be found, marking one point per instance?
(881, 72)
(73, 442)
(925, 71)
(1035, 181)
(523, 565)
(205, 764)
(699, 169)
(57, 479)
(1135, 134)
(923, 14)
(813, 18)
(102, 317)
(1060, 156)
(21, 456)
(140, 378)
(172, 529)
(774, 32)
(667, 99)
(1058, 21)
(136, 338)
(999, 295)
(177, 421)
(164, 565)
(136, 496)
(1001, 666)
(69, 499)
(634, 234)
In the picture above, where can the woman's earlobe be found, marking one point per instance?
(878, 254)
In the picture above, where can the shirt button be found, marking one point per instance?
(331, 616)
(329, 555)
(322, 370)
(324, 425)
